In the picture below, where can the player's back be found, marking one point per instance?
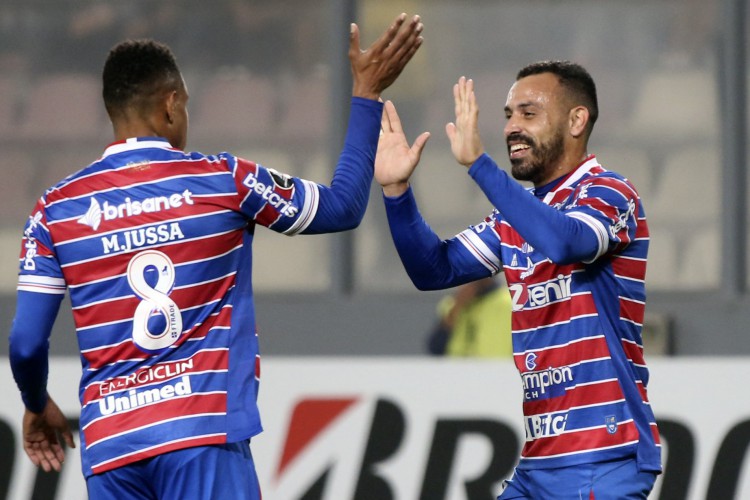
(150, 242)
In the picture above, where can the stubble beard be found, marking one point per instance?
(542, 159)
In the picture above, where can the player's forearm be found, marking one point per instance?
(431, 263)
(29, 346)
(343, 204)
(561, 238)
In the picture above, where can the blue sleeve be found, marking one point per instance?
(562, 239)
(29, 345)
(342, 205)
(431, 263)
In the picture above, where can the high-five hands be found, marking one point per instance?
(375, 69)
(395, 160)
(466, 144)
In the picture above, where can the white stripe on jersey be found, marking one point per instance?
(160, 445)
(599, 230)
(309, 209)
(41, 284)
(479, 250)
(588, 450)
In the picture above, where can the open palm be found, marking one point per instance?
(396, 160)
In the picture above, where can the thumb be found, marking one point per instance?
(67, 436)
(354, 46)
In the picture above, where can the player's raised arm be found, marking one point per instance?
(377, 67)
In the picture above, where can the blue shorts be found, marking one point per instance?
(617, 480)
(204, 472)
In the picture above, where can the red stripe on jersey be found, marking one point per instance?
(140, 173)
(126, 350)
(655, 433)
(642, 389)
(581, 441)
(632, 310)
(543, 271)
(178, 252)
(629, 268)
(159, 450)
(123, 309)
(634, 352)
(571, 354)
(39, 250)
(151, 414)
(555, 312)
(267, 215)
(509, 236)
(582, 395)
(200, 362)
(244, 165)
(641, 231)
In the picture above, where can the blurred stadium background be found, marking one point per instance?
(270, 81)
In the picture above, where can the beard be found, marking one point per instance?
(543, 157)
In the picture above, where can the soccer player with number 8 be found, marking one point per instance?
(154, 246)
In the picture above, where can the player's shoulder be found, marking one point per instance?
(599, 176)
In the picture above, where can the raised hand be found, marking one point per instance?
(376, 68)
(395, 160)
(466, 144)
(40, 436)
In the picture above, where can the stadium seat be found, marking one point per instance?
(676, 105)
(66, 106)
(663, 259)
(701, 266)
(8, 106)
(234, 109)
(491, 88)
(447, 196)
(306, 113)
(280, 264)
(688, 192)
(16, 193)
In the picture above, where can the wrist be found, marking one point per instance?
(396, 189)
(365, 93)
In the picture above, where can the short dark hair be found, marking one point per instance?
(574, 78)
(135, 72)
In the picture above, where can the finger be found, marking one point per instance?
(406, 41)
(450, 131)
(385, 119)
(32, 454)
(68, 437)
(51, 452)
(386, 38)
(395, 121)
(420, 143)
(463, 92)
(406, 57)
(354, 47)
(457, 99)
(471, 107)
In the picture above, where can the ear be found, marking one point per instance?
(170, 103)
(578, 119)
